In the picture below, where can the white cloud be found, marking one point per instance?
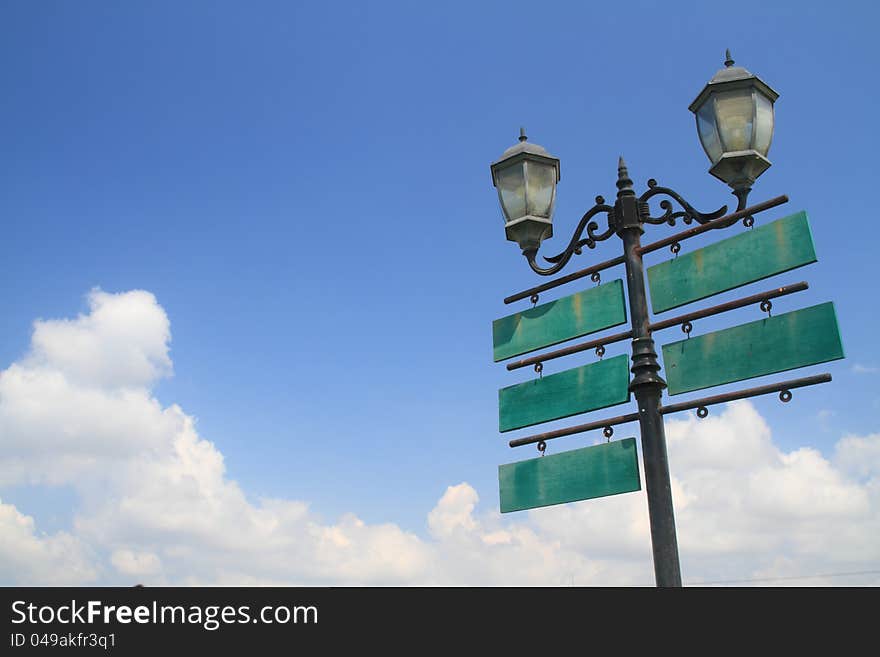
(763, 507)
(859, 455)
(129, 562)
(858, 368)
(122, 342)
(454, 511)
(156, 506)
(39, 560)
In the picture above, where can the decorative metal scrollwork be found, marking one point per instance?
(688, 215)
(578, 241)
(588, 232)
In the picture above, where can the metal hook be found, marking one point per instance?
(702, 412)
(687, 327)
(600, 351)
(596, 277)
(539, 370)
(675, 247)
(534, 299)
(766, 305)
(749, 221)
(542, 447)
(608, 431)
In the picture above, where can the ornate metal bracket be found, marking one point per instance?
(687, 214)
(578, 241)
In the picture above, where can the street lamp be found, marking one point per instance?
(526, 177)
(735, 124)
(734, 115)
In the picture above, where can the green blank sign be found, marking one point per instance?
(578, 390)
(745, 258)
(550, 323)
(775, 344)
(580, 474)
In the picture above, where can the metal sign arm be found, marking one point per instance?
(702, 402)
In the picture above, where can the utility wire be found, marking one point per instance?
(781, 578)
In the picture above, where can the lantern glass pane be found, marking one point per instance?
(540, 183)
(735, 112)
(512, 191)
(763, 123)
(707, 131)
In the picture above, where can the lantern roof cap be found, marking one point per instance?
(523, 150)
(732, 76)
(730, 72)
(524, 146)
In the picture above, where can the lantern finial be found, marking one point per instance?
(729, 61)
(624, 182)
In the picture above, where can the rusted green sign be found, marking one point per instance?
(553, 322)
(778, 247)
(775, 344)
(581, 474)
(586, 388)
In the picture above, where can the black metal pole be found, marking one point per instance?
(647, 385)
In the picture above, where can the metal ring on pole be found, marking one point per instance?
(539, 369)
(686, 328)
(785, 396)
(608, 431)
(766, 306)
(702, 412)
(534, 299)
(542, 447)
(675, 247)
(600, 351)
(596, 277)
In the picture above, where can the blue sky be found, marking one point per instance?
(305, 189)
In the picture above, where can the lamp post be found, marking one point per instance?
(734, 114)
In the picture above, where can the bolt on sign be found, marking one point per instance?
(579, 474)
(775, 344)
(550, 323)
(778, 247)
(578, 390)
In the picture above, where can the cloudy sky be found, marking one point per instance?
(251, 256)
